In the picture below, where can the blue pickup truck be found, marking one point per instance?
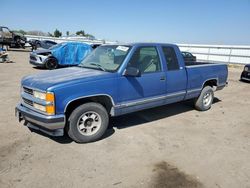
(111, 81)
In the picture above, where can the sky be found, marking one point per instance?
(172, 21)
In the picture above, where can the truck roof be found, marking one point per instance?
(143, 44)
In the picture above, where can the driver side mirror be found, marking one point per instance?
(132, 71)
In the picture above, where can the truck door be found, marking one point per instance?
(176, 77)
(150, 85)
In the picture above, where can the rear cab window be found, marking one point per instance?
(170, 58)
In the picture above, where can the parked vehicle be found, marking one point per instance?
(63, 54)
(188, 56)
(115, 80)
(45, 44)
(245, 75)
(11, 39)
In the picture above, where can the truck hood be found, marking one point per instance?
(49, 80)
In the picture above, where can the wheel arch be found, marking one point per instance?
(51, 57)
(103, 99)
(213, 82)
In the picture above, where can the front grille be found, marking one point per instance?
(28, 90)
(33, 58)
(29, 102)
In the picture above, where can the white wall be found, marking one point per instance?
(219, 53)
(59, 40)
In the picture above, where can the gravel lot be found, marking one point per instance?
(170, 146)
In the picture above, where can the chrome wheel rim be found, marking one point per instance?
(207, 99)
(89, 123)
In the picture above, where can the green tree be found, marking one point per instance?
(57, 33)
(67, 33)
(90, 36)
(81, 32)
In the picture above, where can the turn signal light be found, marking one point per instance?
(50, 97)
(50, 110)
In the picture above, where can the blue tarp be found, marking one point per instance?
(70, 53)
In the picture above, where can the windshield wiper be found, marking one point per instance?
(99, 66)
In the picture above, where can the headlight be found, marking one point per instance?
(246, 69)
(39, 95)
(39, 107)
(49, 98)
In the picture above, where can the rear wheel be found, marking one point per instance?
(205, 100)
(51, 63)
(88, 123)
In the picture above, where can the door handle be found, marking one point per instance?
(163, 78)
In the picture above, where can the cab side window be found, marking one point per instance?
(146, 59)
(171, 59)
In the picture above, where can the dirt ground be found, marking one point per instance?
(170, 146)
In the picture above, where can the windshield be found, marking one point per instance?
(106, 58)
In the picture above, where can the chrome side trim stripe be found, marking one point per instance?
(194, 90)
(205, 65)
(138, 102)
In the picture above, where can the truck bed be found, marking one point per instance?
(199, 72)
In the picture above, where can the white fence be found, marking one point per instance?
(76, 39)
(214, 53)
(219, 53)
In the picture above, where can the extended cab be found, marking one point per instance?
(115, 80)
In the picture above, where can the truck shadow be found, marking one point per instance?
(154, 114)
(65, 139)
(135, 119)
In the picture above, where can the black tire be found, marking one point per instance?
(79, 118)
(51, 63)
(205, 100)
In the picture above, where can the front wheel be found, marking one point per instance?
(205, 100)
(88, 123)
(51, 63)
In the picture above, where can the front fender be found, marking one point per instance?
(67, 94)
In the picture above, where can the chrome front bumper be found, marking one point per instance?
(52, 125)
